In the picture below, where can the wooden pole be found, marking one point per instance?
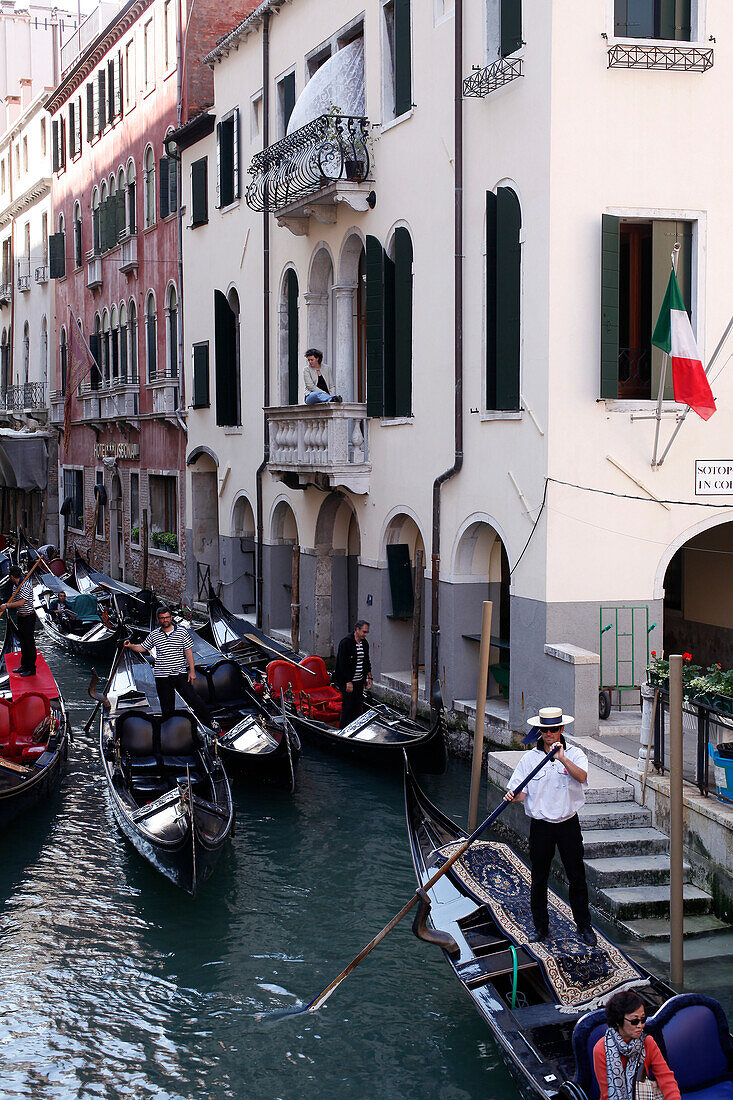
(416, 631)
(93, 539)
(144, 536)
(676, 911)
(478, 736)
(295, 603)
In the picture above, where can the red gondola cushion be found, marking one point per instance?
(281, 675)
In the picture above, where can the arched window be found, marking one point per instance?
(105, 347)
(78, 254)
(43, 372)
(26, 351)
(131, 211)
(5, 361)
(96, 224)
(389, 326)
(149, 187)
(132, 326)
(503, 299)
(63, 361)
(123, 342)
(172, 325)
(289, 339)
(151, 337)
(226, 332)
(114, 345)
(95, 345)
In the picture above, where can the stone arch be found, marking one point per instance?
(205, 518)
(320, 301)
(349, 309)
(336, 585)
(279, 568)
(197, 452)
(401, 529)
(288, 336)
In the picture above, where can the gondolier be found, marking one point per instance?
(552, 801)
(174, 665)
(353, 672)
(23, 604)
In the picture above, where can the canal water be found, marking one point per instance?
(114, 984)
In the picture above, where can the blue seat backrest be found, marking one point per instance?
(694, 1039)
(588, 1030)
(137, 734)
(178, 735)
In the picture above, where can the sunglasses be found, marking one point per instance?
(635, 1020)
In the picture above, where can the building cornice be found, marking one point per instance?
(247, 26)
(23, 120)
(31, 195)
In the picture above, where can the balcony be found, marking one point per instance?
(6, 290)
(483, 82)
(57, 407)
(94, 270)
(128, 257)
(29, 397)
(646, 55)
(42, 274)
(325, 445)
(115, 400)
(165, 386)
(309, 172)
(24, 275)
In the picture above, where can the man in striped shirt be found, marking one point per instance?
(22, 602)
(353, 672)
(174, 667)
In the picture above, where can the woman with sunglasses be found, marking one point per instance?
(625, 1055)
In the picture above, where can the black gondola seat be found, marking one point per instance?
(226, 682)
(137, 737)
(178, 755)
(692, 1032)
(202, 685)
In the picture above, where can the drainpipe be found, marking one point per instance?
(457, 349)
(265, 310)
(179, 198)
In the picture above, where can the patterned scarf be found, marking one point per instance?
(620, 1080)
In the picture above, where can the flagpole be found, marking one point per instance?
(663, 374)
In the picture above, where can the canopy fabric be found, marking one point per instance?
(102, 580)
(85, 608)
(203, 652)
(338, 83)
(27, 458)
(56, 585)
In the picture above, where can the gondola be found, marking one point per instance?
(168, 789)
(540, 1002)
(89, 633)
(34, 733)
(378, 737)
(137, 606)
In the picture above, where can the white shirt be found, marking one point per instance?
(553, 794)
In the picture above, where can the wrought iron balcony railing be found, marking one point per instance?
(684, 59)
(24, 398)
(6, 290)
(326, 150)
(482, 82)
(42, 273)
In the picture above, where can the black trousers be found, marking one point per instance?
(167, 687)
(26, 634)
(544, 837)
(352, 704)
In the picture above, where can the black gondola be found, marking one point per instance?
(34, 733)
(377, 737)
(87, 632)
(168, 789)
(137, 606)
(544, 1025)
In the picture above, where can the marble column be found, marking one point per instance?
(343, 368)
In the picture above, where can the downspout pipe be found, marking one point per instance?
(265, 313)
(457, 348)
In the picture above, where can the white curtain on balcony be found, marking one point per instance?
(338, 83)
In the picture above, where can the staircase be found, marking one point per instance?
(627, 859)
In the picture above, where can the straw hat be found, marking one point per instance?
(550, 716)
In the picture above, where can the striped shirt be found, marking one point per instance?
(359, 671)
(170, 658)
(25, 593)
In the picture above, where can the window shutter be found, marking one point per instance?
(664, 236)
(123, 352)
(288, 99)
(683, 21)
(90, 111)
(218, 164)
(163, 176)
(56, 257)
(400, 580)
(111, 111)
(172, 184)
(508, 298)
(375, 326)
(62, 142)
(402, 57)
(151, 335)
(101, 102)
(403, 322)
(201, 376)
(292, 338)
(235, 154)
(104, 235)
(198, 192)
(115, 353)
(131, 208)
(62, 356)
(118, 86)
(226, 363)
(389, 403)
(490, 300)
(120, 220)
(511, 26)
(78, 255)
(610, 251)
(96, 227)
(55, 145)
(95, 346)
(72, 130)
(78, 124)
(674, 20)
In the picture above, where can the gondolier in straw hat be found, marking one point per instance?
(552, 801)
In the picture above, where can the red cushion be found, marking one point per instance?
(5, 736)
(321, 678)
(28, 712)
(32, 752)
(281, 675)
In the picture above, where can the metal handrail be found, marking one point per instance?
(483, 82)
(704, 717)
(28, 395)
(679, 58)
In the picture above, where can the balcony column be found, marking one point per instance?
(317, 302)
(343, 368)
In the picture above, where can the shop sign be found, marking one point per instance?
(714, 477)
(117, 450)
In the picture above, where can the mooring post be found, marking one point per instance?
(478, 736)
(676, 900)
(416, 632)
(295, 602)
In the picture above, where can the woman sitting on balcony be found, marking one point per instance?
(317, 388)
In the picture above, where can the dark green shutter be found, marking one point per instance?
(90, 111)
(403, 322)
(292, 338)
(107, 223)
(123, 352)
(610, 250)
(172, 185)
(163, 183)
(201, 376)
(508, 298)
(511, 26)
(96, 231)
(111, 90)
(198, 192)
(674, 20)
(402, 57)
(288, 98)
(78, 253)
(120, 211)
(56, 255)
(131, 208)
(54, 146)
(72, 130)
(95, 377)
(226, 361)
(400, 580)
(375, 326)
(389, 385)
(101, 101)
(490, 300)
(152, 338)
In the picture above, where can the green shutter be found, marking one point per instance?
(511, 26)
(107, 219)
(72, 130)
(375, 326)
(508, 298)
(152, 339)
(292, 292)
(402, 57)
(101, 101)
(56, 255)
(288, 98)
(610, 249)
(403, 322)
(198, 192)
(226, 362)
(400, 580)
(490, 300)
(389, 385)
(90, 111)
(682, 22)
(172, 185)
(120, 220)
(163, 185)
(54, 146)
(201, 376)
(95, 377)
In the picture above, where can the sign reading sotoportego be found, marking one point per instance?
(714, 477)
(117, 450)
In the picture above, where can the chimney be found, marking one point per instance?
(12, 109)
(26, 92)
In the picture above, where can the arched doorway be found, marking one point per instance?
(480, 572)
(205, 520)
(350, 320)
(402, 540)
(116, 529)
(336, 589)
(289, 339)
(241, 584)
(320, 299)
(283, 537)
(698, 596)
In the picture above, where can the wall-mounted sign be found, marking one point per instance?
(117, 450)
(714, 477)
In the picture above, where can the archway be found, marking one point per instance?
(283, 537)
(350, 320)
(241, 585)
(116, 529)
(289, 339)
(337, 546)
(401, 541)
(698, 586)
(320, 299)
(480, 572)
(205, 521)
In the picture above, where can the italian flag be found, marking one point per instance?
(673, 334)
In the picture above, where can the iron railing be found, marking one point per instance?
(42, 273)
(683, 59)
(701, 725)
(29, 395)
(634, 372)
(24, 274)
(6, 290)
(330, 148)
(482, 82)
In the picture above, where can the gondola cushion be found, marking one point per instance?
(226, 681)
(178, 735)
(588, 1030)
(692, 1031)
(18, 721)
(143, 766)
(201, 685)
(137, 735)
(281, 676)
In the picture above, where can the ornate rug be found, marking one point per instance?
(581, 977)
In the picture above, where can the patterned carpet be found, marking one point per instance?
(581, 977)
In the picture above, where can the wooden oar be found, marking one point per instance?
(25, 578)
(321, 999)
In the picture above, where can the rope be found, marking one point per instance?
(515, 968)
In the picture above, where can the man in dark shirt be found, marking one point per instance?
(353, 672)
(174, 666)
(23, 604)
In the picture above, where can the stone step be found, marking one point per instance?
(600, 843)
(630, 870)
(614, 815)
(657, 928)
(650, 901)
(602, 786)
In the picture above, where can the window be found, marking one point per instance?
(114, 344)
(131, 210)
(389, 326)
(4, 361)
(2, 175)
(123, 342)
(58, 151)
(74, 488)
(78, 251)
(91, 113)
(396, 58)
(164, 512)
(63, 360)
(635, 266)
(168, 186)
(26, 351)
(133, 341)
(151, 338)
(43, 137)
(135, 509)
(289, 340)
(285, 102)
(111, 91)
(6, 272)
(199, 195)
(57, 251)
(171, 310)
(96, 224)
(101, 100)
(95, 346)
(130, 75)
(227, 158)
(503, 299)
(149, 188)
(25, 152)
(44, 239)
(255, 119)
(77, 127)
(315, 60)
(665, 19)
(226, 332)
(148, 60)
(44, 351)
(169, 35)
(201, 375)
(98, 507)
(72, 129)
